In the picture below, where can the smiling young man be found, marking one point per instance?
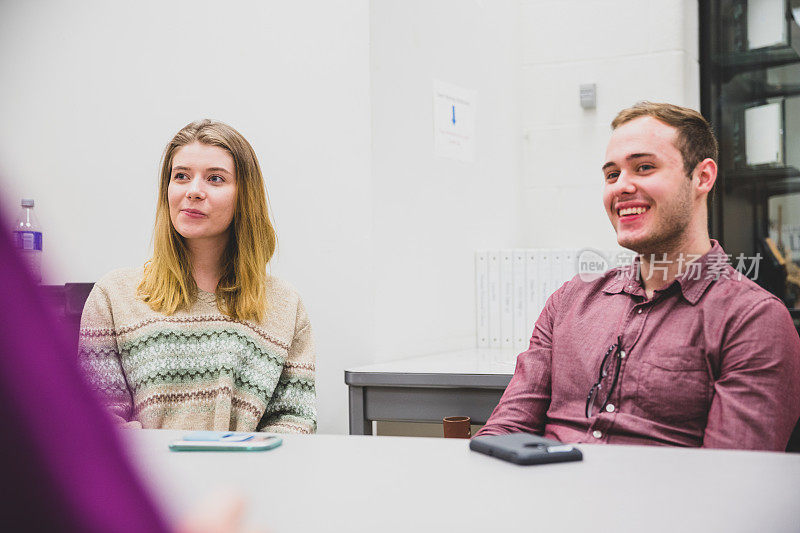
(677, 348)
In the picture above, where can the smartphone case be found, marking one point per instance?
(525, 449)
(225, 441)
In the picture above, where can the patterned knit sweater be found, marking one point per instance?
(199, 369)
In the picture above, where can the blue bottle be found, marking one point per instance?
(27, 238)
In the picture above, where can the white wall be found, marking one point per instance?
(432, 213)
(633, 50)
(336, 97)
(92, 91)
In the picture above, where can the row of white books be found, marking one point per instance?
(513, 285)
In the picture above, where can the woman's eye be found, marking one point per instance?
(612, 176)
(645, 167)
(216, 179)
(179, 176)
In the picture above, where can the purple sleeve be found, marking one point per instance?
(68, 470)
(756, 400)
(523, 406)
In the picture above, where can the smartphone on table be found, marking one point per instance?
(229, 441)
(525, 449)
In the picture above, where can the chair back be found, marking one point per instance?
(794, 440)
(68, 300)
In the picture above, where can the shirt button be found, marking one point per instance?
(622, 354)
(597, 434)
(639, 311)
(610, 408)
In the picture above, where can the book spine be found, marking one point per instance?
(494, 298)
(568, 268)
(533, 307)
(507, 298)
(482, 298)
(544, 278)
(519, 299)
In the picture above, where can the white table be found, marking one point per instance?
(426, 389)
(354, 483)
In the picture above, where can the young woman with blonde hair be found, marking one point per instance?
(202, 337)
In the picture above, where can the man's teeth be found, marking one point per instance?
(632, 211)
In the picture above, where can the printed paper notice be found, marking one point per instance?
(766, 23)
(453, 122)
(763, 134)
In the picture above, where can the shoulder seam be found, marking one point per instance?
(766, 297)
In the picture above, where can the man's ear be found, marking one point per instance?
(705, 175)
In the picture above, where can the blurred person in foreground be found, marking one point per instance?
(63, 467)
(678, 348)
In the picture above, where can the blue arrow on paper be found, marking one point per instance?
(454, 114)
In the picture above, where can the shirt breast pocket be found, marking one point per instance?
(675, 386)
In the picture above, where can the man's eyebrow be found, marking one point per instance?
(637, 156)
(629, 158)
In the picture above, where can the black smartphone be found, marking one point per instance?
(525, 449)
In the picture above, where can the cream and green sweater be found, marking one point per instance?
(199, 369)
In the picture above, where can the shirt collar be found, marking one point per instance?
(693, 283)
(623, 277)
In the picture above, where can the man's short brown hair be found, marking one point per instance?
(695, 140)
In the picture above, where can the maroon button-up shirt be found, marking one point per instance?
(711, 360)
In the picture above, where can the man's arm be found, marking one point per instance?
(757, 396)
(523, 407)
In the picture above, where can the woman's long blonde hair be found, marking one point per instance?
(168, 284)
